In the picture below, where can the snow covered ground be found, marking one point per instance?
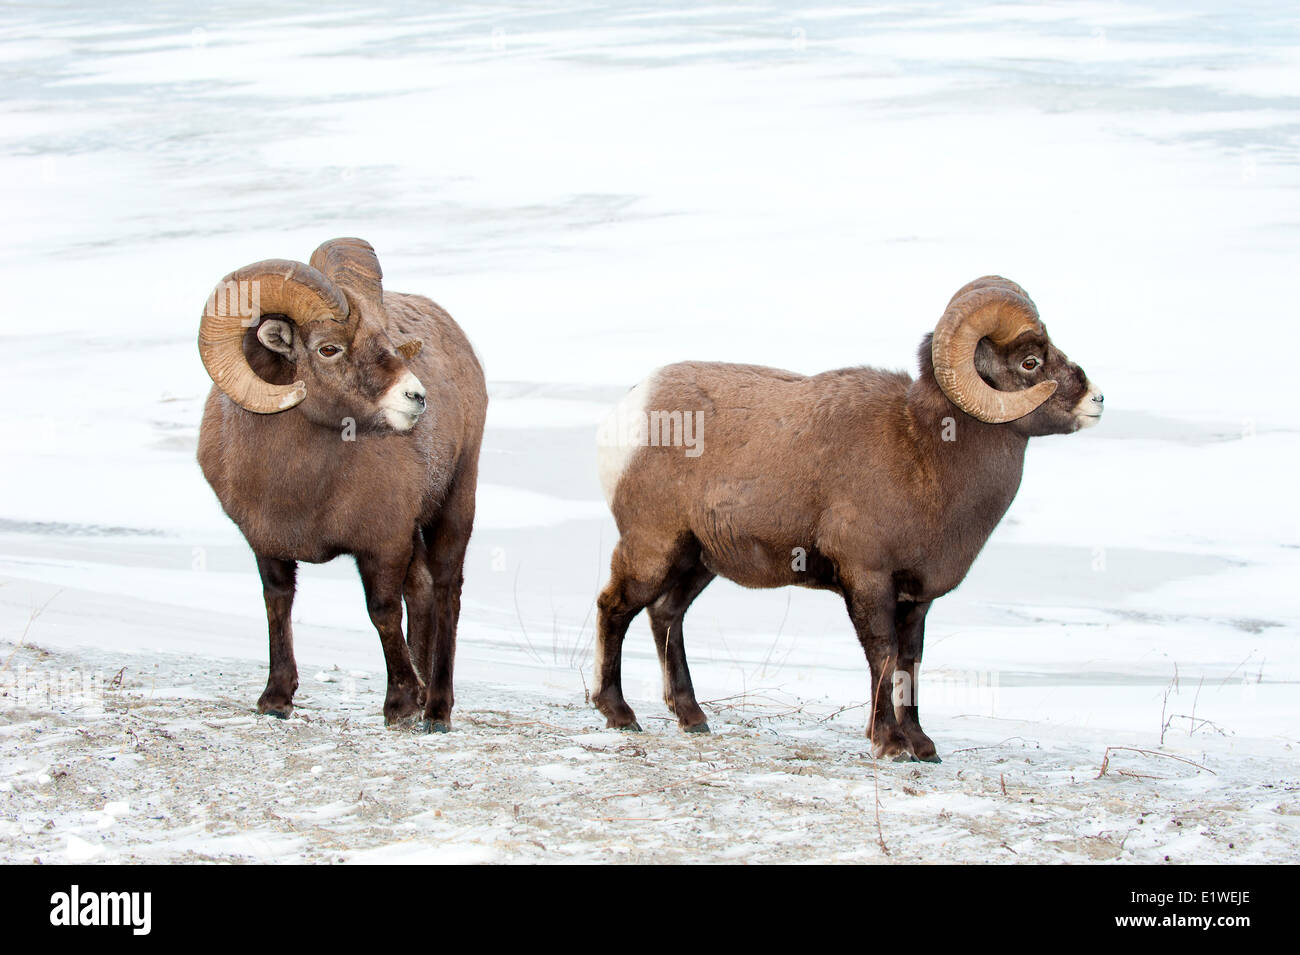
(172, 766)
(593, 192)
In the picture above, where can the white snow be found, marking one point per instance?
(593, 194)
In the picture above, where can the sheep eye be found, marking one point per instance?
(1029, 364)
(329, 351)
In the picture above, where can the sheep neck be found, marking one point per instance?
(977, 466)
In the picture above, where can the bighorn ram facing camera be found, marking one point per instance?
(864, 482)
(347, 420)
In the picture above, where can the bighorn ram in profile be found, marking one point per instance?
(347, 420)
(864, 482)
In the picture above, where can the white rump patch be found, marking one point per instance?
(618, 437)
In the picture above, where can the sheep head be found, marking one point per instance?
(993, 359)
(321, 326)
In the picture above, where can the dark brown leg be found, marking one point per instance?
(382, 576)
(417, 591)
(909, 619)
(278, 586)
(639, 572)
(447, 540)
(871, 608)
(666, 615)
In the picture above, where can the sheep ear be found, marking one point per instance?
(277, 335)
(409, 350)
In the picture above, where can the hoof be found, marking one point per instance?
(277, 704)
(432, 726)
(921, 746)
(697, 728)
(402, 710)
(892, 745)
(633, 727)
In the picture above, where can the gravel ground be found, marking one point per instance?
(167, 762)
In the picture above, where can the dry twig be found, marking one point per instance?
(1105, 759)
(672, 785)
(875, 768)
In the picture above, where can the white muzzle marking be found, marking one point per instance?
(1088, 411)
(403, 403)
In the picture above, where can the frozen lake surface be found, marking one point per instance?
(593, 192)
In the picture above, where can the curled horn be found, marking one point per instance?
(998, 309)
(273, 286)
(352, 265)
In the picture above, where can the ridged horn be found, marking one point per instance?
(993, 281)
(272, 286)
(998, 309)
(352, 265)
